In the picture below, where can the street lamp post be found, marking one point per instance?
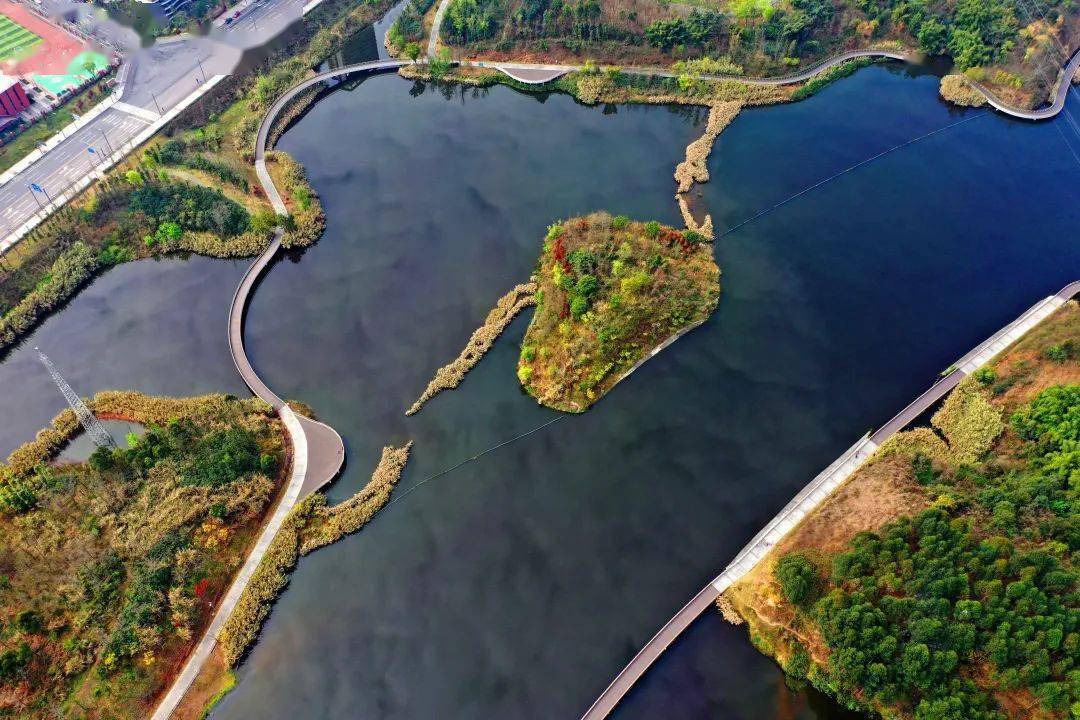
(201, 68)
(107, 143)
(156, 103)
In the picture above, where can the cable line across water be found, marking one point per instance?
(466, 461)
(848, 169)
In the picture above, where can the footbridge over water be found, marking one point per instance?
(818, 488)
(815, 492)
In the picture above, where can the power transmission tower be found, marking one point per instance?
(91, 424)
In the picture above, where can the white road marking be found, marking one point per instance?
(138, 112)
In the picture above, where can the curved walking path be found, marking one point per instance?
(538, 74)
(318, 450)
(817, 490)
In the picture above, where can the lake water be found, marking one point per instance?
(517, 585)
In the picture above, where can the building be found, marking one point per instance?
(13, 99)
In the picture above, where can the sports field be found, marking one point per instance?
(15, 40)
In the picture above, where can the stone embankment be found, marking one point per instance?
(450, 376)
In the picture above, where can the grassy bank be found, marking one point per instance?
(1017, 48)
(110, 568)
(939, 580)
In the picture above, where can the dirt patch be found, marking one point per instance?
(876, 494)
(1024, 370)
(212, 682)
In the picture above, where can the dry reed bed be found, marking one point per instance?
(327, 525)
(694, 168)
(308, 526)
(450, 376)
(957, 90)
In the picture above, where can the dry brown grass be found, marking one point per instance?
(1026, 362)
(451, 375)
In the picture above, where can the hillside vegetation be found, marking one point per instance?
(1015, 46)
(109, 568)
(940, 582)
(610, 291)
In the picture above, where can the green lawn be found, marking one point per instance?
(15, 40)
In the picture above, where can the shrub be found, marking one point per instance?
(635, 282)
(799, 581)
(969, 422)
(13, 662)
(68, 273)
(1062, 352)
(29, 621)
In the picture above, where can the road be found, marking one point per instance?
(157, 79)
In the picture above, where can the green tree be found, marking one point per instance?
(799, 581)
(933, 37)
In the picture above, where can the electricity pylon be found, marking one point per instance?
(91, 424)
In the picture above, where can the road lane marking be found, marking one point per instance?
(138, 112)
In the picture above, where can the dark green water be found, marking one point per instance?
(518, 585)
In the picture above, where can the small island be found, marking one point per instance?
(611, 291)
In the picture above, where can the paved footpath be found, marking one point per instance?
(814, 493)
(208, 641)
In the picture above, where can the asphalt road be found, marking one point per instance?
(158, 78)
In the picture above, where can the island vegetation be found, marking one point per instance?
(111, 567)
(610, 291)
(940, 581)
(1016, 48)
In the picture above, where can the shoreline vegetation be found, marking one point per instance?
(612, 291)
(453, 374)
(940, 580)
(310, 525)
(1014, 49)
(110, 568)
